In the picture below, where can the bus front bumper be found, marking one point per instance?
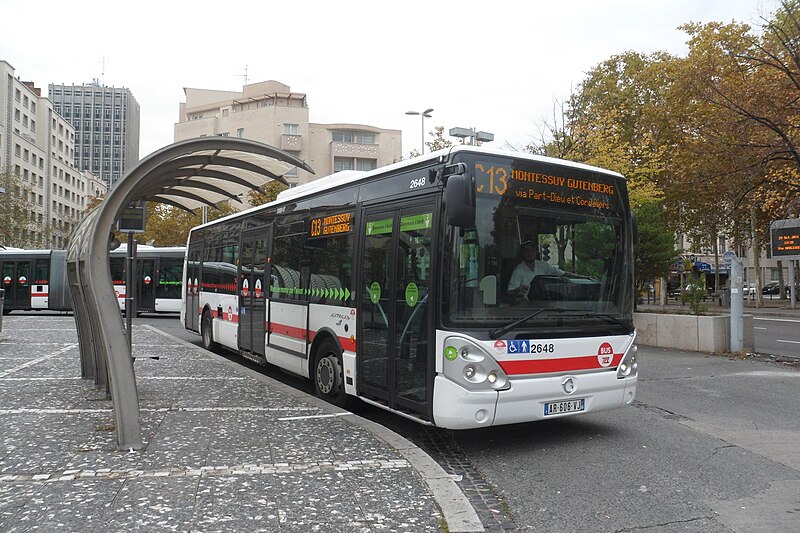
(455, 407)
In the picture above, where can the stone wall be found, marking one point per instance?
(690, 332)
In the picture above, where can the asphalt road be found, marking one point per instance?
(709, 446)
(777, 336)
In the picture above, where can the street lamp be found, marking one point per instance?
(472, 135)
(426, 113)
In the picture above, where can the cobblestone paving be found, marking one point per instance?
(222, 451)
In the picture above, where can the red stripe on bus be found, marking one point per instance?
(289, 331)
(348, 344)
(543, 366)
(38, 294)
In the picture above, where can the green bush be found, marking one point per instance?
(693, 295)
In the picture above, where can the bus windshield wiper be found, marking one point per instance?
(495, 333)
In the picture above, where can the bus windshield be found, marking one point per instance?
(549, 251)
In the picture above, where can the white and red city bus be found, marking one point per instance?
(393, 286)
(37, 279)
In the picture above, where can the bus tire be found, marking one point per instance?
(329, 374)
(207, 332)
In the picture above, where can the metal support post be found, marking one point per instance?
(130, 291)
(792, 287)
(737, 305)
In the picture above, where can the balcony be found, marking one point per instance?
(291, 143)
(344, 149)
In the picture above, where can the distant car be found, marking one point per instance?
(773, 287)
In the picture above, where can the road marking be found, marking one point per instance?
(66, 348)
(791, 342)
(286, 418)
(204, 471)
(759, 328)
(778, 319)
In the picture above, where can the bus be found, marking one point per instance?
(394, 286)
(36, 280)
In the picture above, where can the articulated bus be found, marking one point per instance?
(37, 279)
(395, 286)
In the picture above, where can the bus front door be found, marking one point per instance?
(394, 360)
(252, 294)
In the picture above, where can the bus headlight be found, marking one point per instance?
(628, 367)
(466, 363)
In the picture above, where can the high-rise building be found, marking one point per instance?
(37, 150)
(106, 122)
(271, 113)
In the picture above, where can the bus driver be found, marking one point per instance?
(530, 266)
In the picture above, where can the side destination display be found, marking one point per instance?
(331, 225)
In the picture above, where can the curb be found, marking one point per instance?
(458, 513)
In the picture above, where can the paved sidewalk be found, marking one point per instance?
(225, 449)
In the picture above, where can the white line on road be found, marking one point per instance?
(791, 342)
(287, 418)
(759, 328)
(778, 319)
(66, 348)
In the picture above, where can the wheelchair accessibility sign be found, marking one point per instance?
(518, 346)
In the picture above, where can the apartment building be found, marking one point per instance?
(270, 112)
(106, 122)
(37, 146)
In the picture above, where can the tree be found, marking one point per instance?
(20, 228)
(266, 194)
(170, 226)
(655, 251)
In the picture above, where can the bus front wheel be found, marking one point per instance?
(207, 332)
(329, 374)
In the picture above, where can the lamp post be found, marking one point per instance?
(426, 113)
(473, 136)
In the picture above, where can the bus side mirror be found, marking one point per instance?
(459, 200)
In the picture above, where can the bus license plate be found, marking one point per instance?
(569, 406)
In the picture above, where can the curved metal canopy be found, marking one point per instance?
(187, 174)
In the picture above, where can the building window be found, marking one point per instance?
(356, 138)
(342, 163)
(240, 132)
(366, 164)
(291, 129)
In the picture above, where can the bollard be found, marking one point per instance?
(737, 305)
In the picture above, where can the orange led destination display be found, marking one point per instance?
(331, 225)
(540, 187)
(786, 241)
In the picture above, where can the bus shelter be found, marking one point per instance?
(186, 175)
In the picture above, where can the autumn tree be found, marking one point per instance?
(169, 226)
(21, 227)
(266, 193)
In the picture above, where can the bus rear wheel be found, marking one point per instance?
(329, 374)
(207, 332)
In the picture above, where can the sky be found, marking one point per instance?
(495, 66)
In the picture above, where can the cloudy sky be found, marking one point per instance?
(495, 65)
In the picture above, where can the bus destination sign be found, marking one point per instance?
(539, 187)
(331, 225)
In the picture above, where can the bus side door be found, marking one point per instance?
(252, 291)
(395, 323)
(192, 288)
